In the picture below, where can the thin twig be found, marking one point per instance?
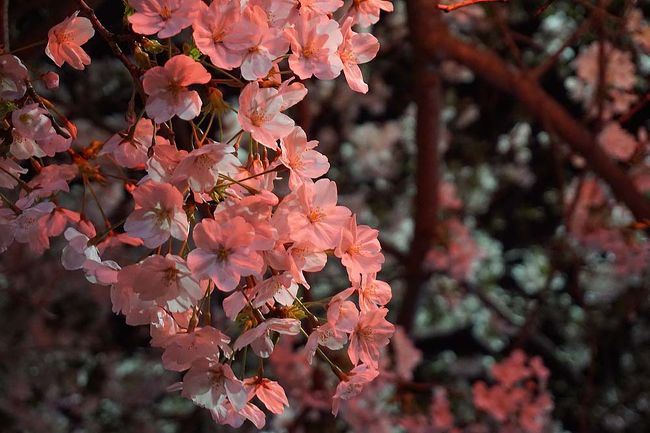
(115, 48)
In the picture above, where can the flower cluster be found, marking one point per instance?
(519, 398)
(226, 228)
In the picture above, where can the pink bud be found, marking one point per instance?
(51, 80)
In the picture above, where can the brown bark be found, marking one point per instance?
(427, 95)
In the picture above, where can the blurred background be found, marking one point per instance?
(499, 152)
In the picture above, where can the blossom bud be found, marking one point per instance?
(152, 46)
(51, 80)
(141, 58)
(216, 103)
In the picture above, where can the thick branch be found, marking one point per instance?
(462, 4)
(427, 96)
(543, 108)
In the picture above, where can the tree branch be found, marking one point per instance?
(427, 95)
(541, 106)
(465, 3)
(115, 48)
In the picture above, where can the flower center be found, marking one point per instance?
(296, 162)
(222, 254)
(174, 87)
(163, 216)
(308, 51)
(354, 250)
(315, 215)
(165, 13)
(217, 36)
(170, 276)
(257, 118)
(347, 56)
(366, 333)
(62, 37)
(26, 222)
(216, 377)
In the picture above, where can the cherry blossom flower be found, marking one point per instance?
(182, 349)
(124, 299)
(158, 214)
(167, 281)
(325, 335)
(65, 40)
(77, 251)
(342, 314)
(269, 392)
(224, 252)
(228, 414)
(52, 179)
(32, 121)
(78, 254)
(163, 327)
(34, 134)
(313, 215)
(359, 249)
(311, 8)
(131, 148)
(202, 166)
(210, 384)
(617, 142)
(29, 227)
(12, 78)
(291, 93)
(371, 333)
(166, 87)
(259, 43)
(356, 48)
(366, 12)
(260, 114)
(24, 147)
(619, 79)
(372, 292)
(279, 13)
(314, 44)
(352, 385)
(103, 272)
(259, 337)
(256, 210)
(163, 163)
(299, 157)
(297, 259)
(165, 17)
(9, 172)
(211, 26)
(514, 399)
(279, 288)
